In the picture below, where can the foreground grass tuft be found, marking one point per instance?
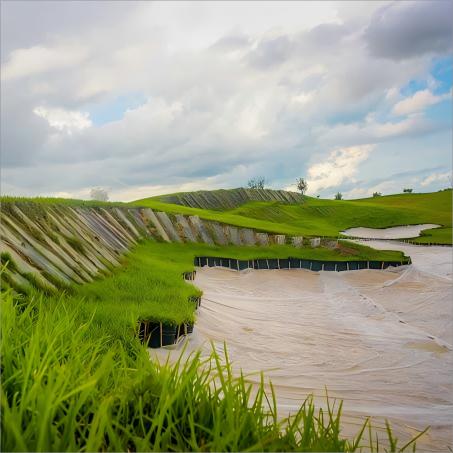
(66, 387)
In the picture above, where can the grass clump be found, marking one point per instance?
(75, 243)
(7, 261)
(69, 386)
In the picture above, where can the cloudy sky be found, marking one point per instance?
(143, 98)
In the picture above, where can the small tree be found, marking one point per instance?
(338, 196)
(377, 194)
(99, 194)
(302, 185)
(407, 190)
(257, 183)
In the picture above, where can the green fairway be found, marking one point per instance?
(318, 217)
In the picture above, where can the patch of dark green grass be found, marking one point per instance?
(75, 243)
(7, 260)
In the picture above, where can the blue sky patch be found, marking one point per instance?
(442, 71)
(113, 110)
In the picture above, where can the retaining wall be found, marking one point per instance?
(295, 263)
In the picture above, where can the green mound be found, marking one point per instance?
(229, 198)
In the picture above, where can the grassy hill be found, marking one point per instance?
(223, 199)
(329, 217)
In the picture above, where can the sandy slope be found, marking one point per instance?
(380, 340)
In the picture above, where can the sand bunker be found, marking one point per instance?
(400, 232)
(379, 340)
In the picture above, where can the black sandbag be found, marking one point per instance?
(341, 266)
(243, 265)
(154, 338)
(375, 264)
(169, 334)
(273, 263)
(328, 265)
(362, 264)
(225, 262)
(294, 263)
(284, 263)
(305, 264)
(316, 266)
(262, 264)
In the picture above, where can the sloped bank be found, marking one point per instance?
(56, 245)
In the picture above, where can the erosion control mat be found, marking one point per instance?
(379, 339)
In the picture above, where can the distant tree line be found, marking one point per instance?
(257, 183)
(260, 181)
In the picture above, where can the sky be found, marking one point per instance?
(145, 98)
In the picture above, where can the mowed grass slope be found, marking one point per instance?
(319, 217)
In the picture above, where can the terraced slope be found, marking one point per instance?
(317, 217)
(54, 245)
(223, 199)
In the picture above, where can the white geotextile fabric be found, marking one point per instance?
(399, 232)
(379, 340)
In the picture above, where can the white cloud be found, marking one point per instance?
(436, 177)
(341, 165)
(64, 120)
(418, 102)
(372, 130)
(38, 59)
(385, 187)
(209, 110)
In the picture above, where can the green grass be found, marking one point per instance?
(318, 217)
(52, 201)
(68, 386)
(315, 217)
(436, 236)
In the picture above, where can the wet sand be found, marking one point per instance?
(379, 340)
